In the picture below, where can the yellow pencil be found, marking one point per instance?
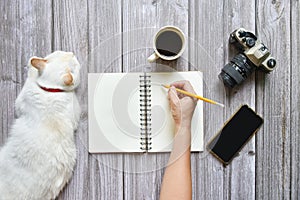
(195, 96)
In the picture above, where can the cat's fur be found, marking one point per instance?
(39, 156)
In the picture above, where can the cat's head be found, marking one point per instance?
(58, 70)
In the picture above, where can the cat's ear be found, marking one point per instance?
(68, 79)
(38, 63)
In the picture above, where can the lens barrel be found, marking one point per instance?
(236, 71)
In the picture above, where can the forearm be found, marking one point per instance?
(177, 181)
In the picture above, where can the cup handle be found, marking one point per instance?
(152, 58)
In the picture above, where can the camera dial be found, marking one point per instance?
(250, 42)
(271, 63)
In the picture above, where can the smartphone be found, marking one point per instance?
(235, 134)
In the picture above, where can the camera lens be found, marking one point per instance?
(236, 71)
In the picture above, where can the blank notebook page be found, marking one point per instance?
(114, 112)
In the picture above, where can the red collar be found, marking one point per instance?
(51, 89)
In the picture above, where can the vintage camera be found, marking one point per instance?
(253, 55)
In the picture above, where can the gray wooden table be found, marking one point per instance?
(116, 36)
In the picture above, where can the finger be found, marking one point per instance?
(178, 84)
(184, 85)
(180, 95)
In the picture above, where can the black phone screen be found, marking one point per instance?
(235, 133)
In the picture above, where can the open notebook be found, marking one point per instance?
(129, 112)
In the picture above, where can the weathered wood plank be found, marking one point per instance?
(295, 99)
(240, 175)
(139, 22)
(8, 66)
(22, 37)
(173, 13)
(90, 28)
(273, 175)
(105, 50)
(207, 55)
(70, 34)
(34, 37)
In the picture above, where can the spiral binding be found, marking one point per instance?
(145, 109)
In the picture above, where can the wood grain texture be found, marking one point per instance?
(209, 51)
(273, 99)
(70, 34)
(240, 175)
(295, 99)
(206, 55)
(174, 13)
(8, 81)
(116, 36)
(139, 23)
(105, 50)
(22, 37)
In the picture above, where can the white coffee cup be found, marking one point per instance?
(168, 44)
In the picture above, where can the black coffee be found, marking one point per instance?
(168, 43)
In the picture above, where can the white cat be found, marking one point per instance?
(39, 156)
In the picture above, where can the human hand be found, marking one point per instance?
(182, 106)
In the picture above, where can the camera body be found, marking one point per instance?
(253, 55)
